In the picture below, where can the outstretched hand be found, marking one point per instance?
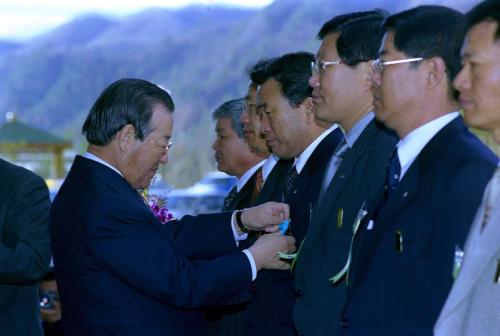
(265, 217)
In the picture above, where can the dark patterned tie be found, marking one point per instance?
(228, 200)
(289, 182)
(393, 173)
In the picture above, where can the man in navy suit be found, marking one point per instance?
(404, 255)
(292, 132)
(342, 93)
(119, 269)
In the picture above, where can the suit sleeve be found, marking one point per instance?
(25, 247)
(133, 250)
(204, 236)
(464, 193)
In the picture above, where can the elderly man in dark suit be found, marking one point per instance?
(473, 305)
(119, 269)
(24, 248)
(403, 256)
(357, 169)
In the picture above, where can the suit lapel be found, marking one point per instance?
(344, 173)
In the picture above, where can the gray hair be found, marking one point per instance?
(232, 109)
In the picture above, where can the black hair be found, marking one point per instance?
(360, 35)
(126, 101)
(430, 31)
(488, 10)
(257, 72)
(292, 72)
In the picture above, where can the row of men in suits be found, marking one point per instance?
(386, 205)
(385, 230)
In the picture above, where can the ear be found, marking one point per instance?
(126, 137)
(308, 106)
(368, 73)
(436, 74)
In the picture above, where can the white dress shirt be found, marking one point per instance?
(301, 160)
(411, 145)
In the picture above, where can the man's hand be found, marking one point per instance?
(265, 251)
(265, 217)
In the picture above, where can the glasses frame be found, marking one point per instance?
(164, 147)
(317, 64)
(379, 65)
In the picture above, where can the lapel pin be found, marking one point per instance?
(340, 218)
(399, 241)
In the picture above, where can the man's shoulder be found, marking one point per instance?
(12, 175)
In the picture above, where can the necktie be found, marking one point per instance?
(289, 182)
(492, 199)
(259, 181)
(393, 172)
(391, 181)
(334, 164)
(228, 200)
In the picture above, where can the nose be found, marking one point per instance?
(215, 145)
(244, 119)
(314, 80)
(265, 127)
(164, 158)
(462, 80)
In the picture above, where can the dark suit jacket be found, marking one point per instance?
(272, 190)
(402, 268)
(359, 180)
(271, 306)
(120, 271)
(231, 320)
(24, 248)
(244, 198)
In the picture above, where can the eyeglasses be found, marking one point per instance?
(164, 147)
(378, 64)
(318, 66)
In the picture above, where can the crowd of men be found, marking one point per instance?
(392, 204)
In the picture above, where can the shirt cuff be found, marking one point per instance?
(252, 263)
(237, 237)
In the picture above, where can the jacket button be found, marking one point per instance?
(252, 288)
(299, 292)
(345, 323)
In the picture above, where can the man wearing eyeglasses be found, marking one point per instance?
(342, 91)
(473, 305)
(119, 269)
(405, 252)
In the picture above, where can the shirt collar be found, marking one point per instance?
(247, 175)
(411, 145)
(268, 166)
(301, 160)
(101, 161)
(352, 136)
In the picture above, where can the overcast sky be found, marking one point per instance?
(20, 19)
